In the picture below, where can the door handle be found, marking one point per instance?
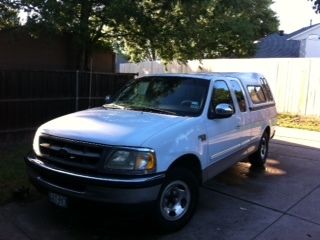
(238, 126)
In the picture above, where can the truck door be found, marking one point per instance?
(223, 133)
(242, 112)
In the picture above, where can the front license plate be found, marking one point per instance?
(57, 199)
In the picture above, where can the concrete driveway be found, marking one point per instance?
(282, 202)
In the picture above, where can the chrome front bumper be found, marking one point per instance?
(122, 190)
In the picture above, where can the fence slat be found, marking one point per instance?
(30, 98)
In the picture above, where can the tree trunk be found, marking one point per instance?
(84, 35)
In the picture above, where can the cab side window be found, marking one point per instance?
(220, 94)
(238, 92)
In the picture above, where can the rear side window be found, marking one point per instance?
(238, 92)
(257, 95)
(266, 89)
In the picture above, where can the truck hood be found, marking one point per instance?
(110, 126)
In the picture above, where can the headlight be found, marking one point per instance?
(36, 146)
(134, 160)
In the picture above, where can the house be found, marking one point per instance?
(21, 50)
(302, 43)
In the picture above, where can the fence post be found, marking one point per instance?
(90, 83)
(77, 90)
(308, 89)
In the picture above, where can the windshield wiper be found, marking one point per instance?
(113, 106)
(150, 109)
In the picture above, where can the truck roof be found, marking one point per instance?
(246, 77)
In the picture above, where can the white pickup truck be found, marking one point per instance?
(156, 141)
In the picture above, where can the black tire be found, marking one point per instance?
(259, 158)
(177, 200)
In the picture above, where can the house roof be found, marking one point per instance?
(280, 46)
(302, 30)
(277, 46)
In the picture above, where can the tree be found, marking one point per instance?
(165, 30)
(91, 23)
(155, 29)
(316, 5)
(8, 17)
(234, 25)
(201, 29)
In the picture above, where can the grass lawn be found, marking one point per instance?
(13, 177)
(301, 122)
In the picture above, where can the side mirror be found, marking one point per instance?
(222, 110)
(108, 99)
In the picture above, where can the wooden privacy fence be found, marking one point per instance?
(295, 82)
(30, 98)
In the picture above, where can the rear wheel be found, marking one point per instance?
(258, 158)
(177, 200)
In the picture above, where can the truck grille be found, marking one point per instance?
(70, 153)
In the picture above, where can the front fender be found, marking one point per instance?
(179, 140)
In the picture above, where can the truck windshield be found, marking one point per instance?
(182, 96)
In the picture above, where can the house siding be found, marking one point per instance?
(312, 48)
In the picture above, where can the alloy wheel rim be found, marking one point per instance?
(175, 200)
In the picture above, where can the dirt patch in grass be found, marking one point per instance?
(14, 183)
(301, 122)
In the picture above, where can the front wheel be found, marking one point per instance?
(177, 200)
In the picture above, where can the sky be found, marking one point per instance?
(294, 14)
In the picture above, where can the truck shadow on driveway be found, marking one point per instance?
(278, 186)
